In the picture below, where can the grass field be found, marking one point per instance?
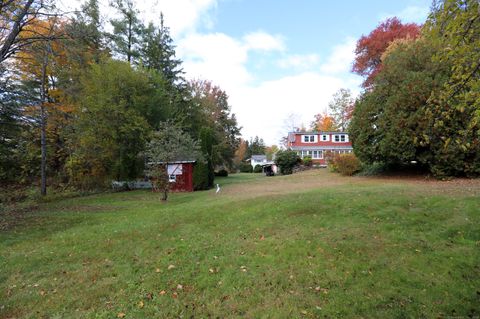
(303, 246)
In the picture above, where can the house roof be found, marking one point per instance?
(258, 158)
(268, 163)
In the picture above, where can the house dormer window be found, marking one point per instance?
(340, 138)
(308, 138)
(324, 137)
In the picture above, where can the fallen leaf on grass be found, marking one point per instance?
(262, 237)
(42, 292)
(170, 267)
(161, 293)
(121, 315)
(149, 296)
(140, 304)
(174, 295)
(324, 290)
(157, 270)
(179, 287)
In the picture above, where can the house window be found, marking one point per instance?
(308, 138)
(304, 154)
(324, 137)
(172, 178)
(317, 154)
(340, 138)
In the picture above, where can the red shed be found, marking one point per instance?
(180, 175)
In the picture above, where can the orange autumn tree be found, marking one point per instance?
(39, 65)
(323, 122)
(240, 153)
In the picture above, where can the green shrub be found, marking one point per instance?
(246, 168)
(286, 161)
(258, 169)
(347, 164)
(307, 161)
(222, 173)
(200, 176)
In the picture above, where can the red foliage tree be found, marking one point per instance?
(370, 48)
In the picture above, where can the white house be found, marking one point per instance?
(258, 160)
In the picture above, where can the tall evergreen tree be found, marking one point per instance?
(85, 41)
(127, 30)
(10, 127)
(256, 146)
(158, 52)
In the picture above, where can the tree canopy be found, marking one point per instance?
(84, 105)
(422, 105)
(369, 49)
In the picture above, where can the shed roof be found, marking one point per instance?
(174, 162)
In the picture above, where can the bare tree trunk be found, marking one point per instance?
(166, 183)
(43, 125)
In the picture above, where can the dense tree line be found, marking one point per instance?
(422, 97)
(82, 105)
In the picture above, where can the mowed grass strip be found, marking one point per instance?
(357, 248)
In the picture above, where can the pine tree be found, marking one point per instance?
(127, 30)
(158, 52)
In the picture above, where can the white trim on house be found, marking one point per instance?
(319, 153)
(313, 154)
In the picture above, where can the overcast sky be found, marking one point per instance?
(272, 57)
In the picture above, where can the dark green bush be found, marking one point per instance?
(286, 161)
(258, 169)
(246, 168)
(200, 176)
(222, 173)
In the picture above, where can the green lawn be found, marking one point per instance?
(308, 245)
